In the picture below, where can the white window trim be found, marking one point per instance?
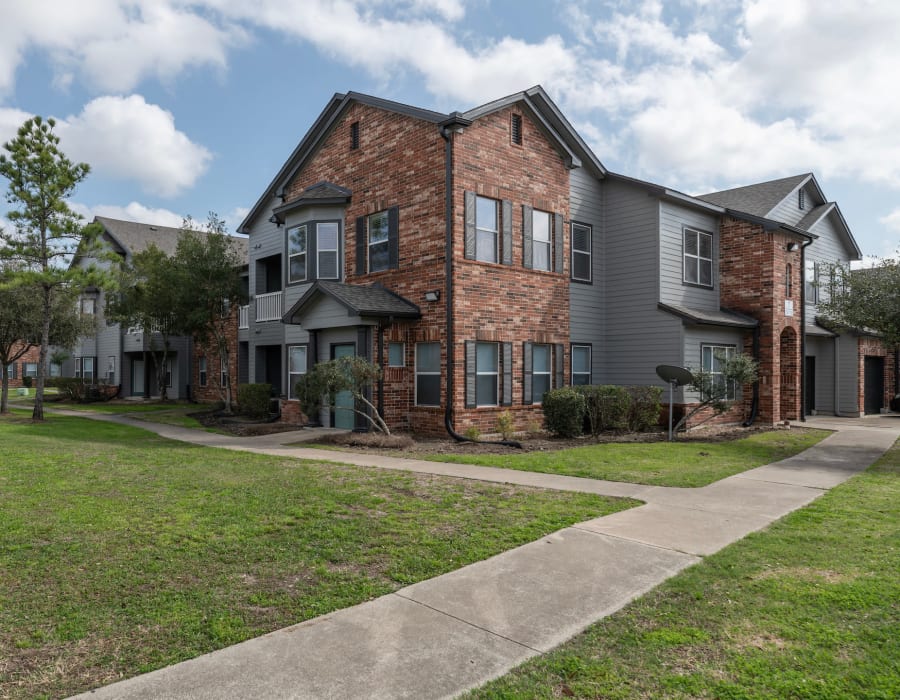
(495, 232)
(386, 242)
(535, 241)
(590, 353)
(419, 373)
(305, 254)
(699, 258)
(730, 351)
(320, 250)
(537, 400)
(589, 252)
(202, 374)
(292, 374)
(494, 373)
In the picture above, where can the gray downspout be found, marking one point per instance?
(803, 377)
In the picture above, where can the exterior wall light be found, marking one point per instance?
(793, 247)
(433, 296)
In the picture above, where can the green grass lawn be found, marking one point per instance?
(121, 552)
(654, 463)
(809, 608)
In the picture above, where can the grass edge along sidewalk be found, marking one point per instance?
(808, 608)
(122, 551)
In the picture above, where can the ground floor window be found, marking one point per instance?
(29, 369)
(224, 373)
(296, 367)
(201, 371)
(712, 360)
(110, 369)
(581, 365)
(540, 372)
(487, 366)
(428, 374)
(84, 368)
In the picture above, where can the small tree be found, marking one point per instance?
(47, 232)
(714, 388)
(866, 299)
(208, 287)
(326, 380)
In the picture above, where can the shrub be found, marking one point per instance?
(472, 433)
(26, 382)
(564, 411)
(505, 425)
(253, 399)
(70, 388)
(644, 411)
(606, 407)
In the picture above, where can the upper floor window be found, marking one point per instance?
(698, 253)
(377, 241)
(297, 254)
(486, 229)
(327, 244)
(540, 240)
(581, 252)
(811, 282)
(88, 306)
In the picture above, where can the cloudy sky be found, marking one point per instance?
(184, 107)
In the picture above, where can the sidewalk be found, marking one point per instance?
(440, 637)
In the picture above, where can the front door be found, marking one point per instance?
(343, 416)
(137, 377)
(810, 398)
(873, 385)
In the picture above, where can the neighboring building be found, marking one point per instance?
(27, 366)
(120, 356)
(484, 257)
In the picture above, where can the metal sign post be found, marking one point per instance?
(674, 376)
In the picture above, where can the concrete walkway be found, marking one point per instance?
(440, 637)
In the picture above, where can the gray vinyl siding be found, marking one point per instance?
(672, 289)
(697, 336)
(325, 340)
(265, 240)
(848, 379)
(823, 350)
(787, 210)
(586, 301)
(826, 249)
(638, 336)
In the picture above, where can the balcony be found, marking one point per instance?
(268, 306)
(244, 317)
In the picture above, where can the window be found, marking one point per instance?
(396, 355)
(515, 129)
(11, 370)
(110, 369)
(788, 280)
(88, 307)
(29, 369)
(168, 371)
(55, 369)
(84, 368)
(486, 374)
(297, 254)
(801, 199)
(811, 282)
(223, 373)
(201, 371)
(581, 365)
(698, 248)
(428, 374)
(354, 136)
(379, 251)
(540, 240)
(486, 229)
(540, 372)
(581, 252)
(296, 368)
(713, 359)
(327, 247)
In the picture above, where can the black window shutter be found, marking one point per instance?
(361, 246)
(559, 379)
(470, 374)
(507, 374)
(526, 383)
(394, 238)
(506, 223)
(526, 236)
(558, 240)
(470, 225)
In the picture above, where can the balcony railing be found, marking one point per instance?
(268, 306)
(244, 317)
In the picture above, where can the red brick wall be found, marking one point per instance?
(507, 303)
(31, 355)
(212, 391)
(874, 348)
(752, 281)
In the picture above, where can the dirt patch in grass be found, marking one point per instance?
(241, 425)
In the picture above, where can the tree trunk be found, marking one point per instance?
(4, 390)
(38, 413)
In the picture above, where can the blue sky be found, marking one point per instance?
(184, 107)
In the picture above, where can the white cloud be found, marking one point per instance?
(10, 121)
(892, 220)
(134, 211)
(129, 138)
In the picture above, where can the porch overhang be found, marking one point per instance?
(704, 317)
(329, 304)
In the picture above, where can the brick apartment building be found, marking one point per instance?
(483, 257)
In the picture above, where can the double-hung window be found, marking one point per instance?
(712, 361)
(698, 256)
(223, 373)
(581, 365)
(581, 252)
(379, 249)
(540, 372)
(487, 374)
(487, 226)
(327, 239)
(29, 369)
(540, 240)
(202, 376)
(297, 254)
(110, 369)
(296, 367)
(84, 368)
(428, 374)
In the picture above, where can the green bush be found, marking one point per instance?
(253, 399)
(70, 389)
(564, 411)
(472, 433)
(505, 425)
(606, 407)
(644, 412)
(26, 382)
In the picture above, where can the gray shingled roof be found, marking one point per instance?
(759, 199)
(365, 301)
(722, 317)
(814, 215)
(135, 237)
